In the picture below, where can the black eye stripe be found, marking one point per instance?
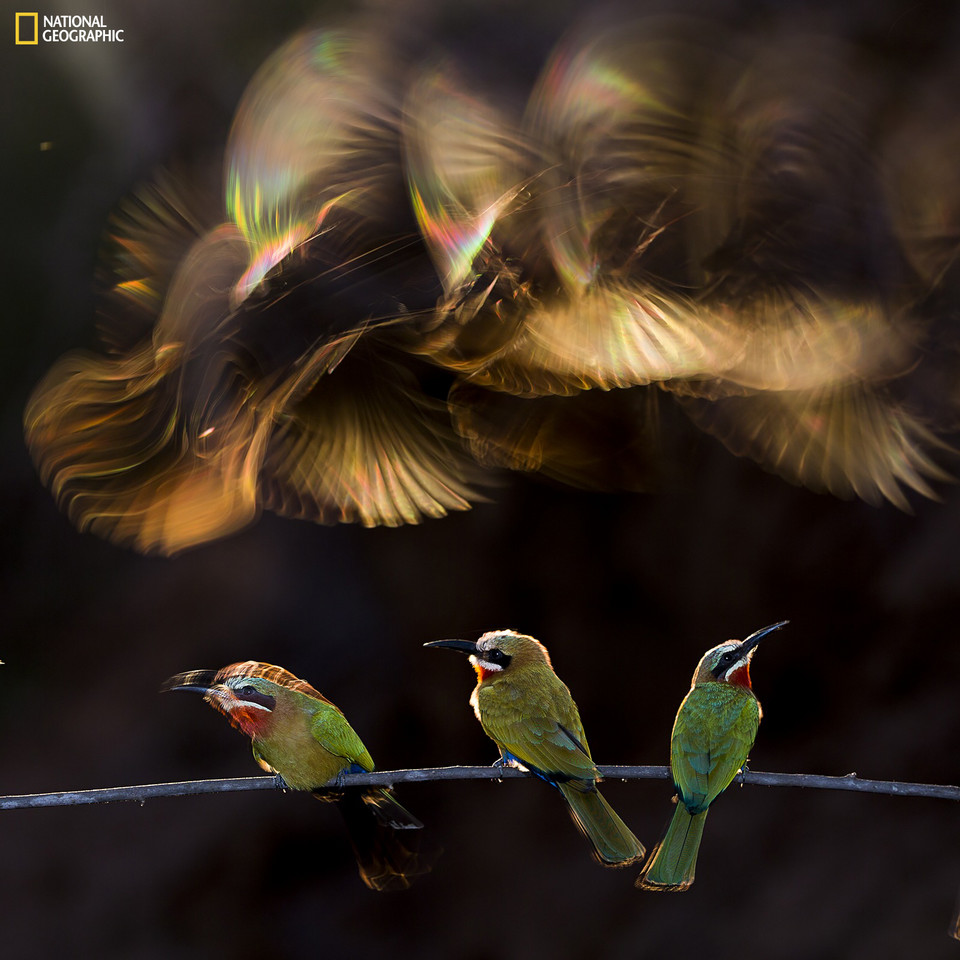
(726, 658)
(252, 695)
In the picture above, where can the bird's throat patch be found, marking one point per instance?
(485, 670)
(249, 720)
(741, 676)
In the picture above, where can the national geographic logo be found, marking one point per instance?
(63, 28)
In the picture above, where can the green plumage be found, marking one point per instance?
(308, 755)
(300, 735)
(308, 742)
(531, 714)
(526, 709)
(613, 842)
(712, 736)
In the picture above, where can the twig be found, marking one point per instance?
(389, 777)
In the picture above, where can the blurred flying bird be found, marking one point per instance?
(231, 401)
(712, 735)
(403, 286)
(526, 709)
(301, 736)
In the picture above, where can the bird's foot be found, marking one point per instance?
(740, 778)
(280, 783)
(509, 762)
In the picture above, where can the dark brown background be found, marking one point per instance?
(626, 592)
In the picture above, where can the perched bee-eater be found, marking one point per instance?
(526, 709)
(712, 736)
(297, 733)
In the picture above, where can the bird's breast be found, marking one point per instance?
(291, 750)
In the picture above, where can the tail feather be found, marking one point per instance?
(389, 811)
(373, 820)
(674, 860)
(613, 842)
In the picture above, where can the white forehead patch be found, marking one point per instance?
(489, 640)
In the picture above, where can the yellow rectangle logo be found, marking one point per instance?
(19, 30)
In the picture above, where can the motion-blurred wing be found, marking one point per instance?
(108, 439)
(594, 441)
(317, 127)
(607, 338)
(147, 235)
(849, 440)
(465, 168)
(366, 445)
(159, 449)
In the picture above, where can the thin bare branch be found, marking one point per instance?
(151, 791)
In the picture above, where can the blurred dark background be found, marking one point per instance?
(626, 591)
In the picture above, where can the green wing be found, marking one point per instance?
(331, 730)
(712, 736)
(538, 722)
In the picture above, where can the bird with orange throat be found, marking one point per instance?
(298, 734)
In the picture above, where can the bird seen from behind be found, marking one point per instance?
(712, 735)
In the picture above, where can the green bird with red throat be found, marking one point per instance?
(298, 734)
(712, 735)
(526, 709)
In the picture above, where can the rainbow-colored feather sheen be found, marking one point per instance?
(297, 144)
(677, 213)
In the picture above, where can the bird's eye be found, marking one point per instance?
(727, 657)
(247, 690)
(497, 656)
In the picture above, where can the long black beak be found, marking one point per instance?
(197, 681)
(463, 646)
(758, 635)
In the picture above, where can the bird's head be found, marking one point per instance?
(730, 662)
(245, 693)
(498, 652)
